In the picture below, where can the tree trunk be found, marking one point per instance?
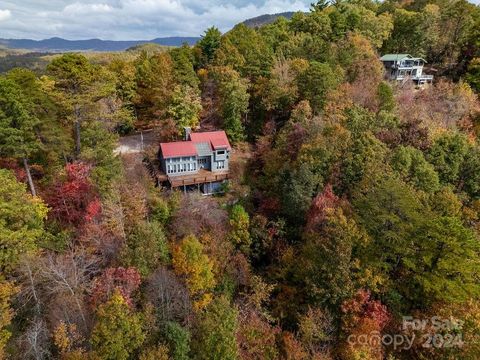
(33, 288)
(77, 138)
(29, 177)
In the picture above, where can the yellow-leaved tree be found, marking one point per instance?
(190, 262)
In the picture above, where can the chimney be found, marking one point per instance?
(186, 131)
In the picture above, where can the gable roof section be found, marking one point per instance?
(395, 57)
(203, 148)
(217, 139)
(178, 148)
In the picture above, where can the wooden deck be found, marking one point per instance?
(201, 177)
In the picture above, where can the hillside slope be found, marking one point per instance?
(266, 19)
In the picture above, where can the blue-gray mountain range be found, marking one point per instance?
(57, 44)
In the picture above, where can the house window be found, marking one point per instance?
(202, 161)
(221, 152)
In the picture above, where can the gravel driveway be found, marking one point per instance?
(135, 143)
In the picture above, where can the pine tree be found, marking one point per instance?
(18, 126)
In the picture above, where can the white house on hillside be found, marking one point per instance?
(403, 67)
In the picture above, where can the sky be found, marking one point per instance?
(130, 19)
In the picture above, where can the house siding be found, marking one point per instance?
(220, 162)
(179, 165)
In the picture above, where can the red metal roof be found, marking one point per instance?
(178, 148)
(217, 139)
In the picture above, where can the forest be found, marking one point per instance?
(350, 227)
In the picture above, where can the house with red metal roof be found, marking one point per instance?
(202, 150)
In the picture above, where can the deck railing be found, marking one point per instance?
(194, 180)
(415, 78)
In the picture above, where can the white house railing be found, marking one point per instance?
(414, 77)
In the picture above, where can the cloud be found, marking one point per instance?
(132, 19)
(5, 14)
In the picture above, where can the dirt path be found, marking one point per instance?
(135, 143)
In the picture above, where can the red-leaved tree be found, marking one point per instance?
(318, 210)
(73, 199)
(125, 280)
(363, 317)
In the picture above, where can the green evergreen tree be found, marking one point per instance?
(208, 45)
(18, 126)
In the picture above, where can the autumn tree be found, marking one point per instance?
(125, 88)
(67, 340)
(362, 315)
(315, 83)
(7, 291)
(189, 261)
(234, 102)
(21, 221)
(413, 166)
(155, 82)
(281, 91)
(118, 331)
(72, 199)
(159, 352)
(246, 51)
(123, 280)
(256, 338)
(185, 107)
(215, 332)
(240, 222)
(473, 75)
(328, 252)
(146, 247)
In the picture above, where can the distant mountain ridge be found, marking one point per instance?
(57, 44)
(267, 19)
